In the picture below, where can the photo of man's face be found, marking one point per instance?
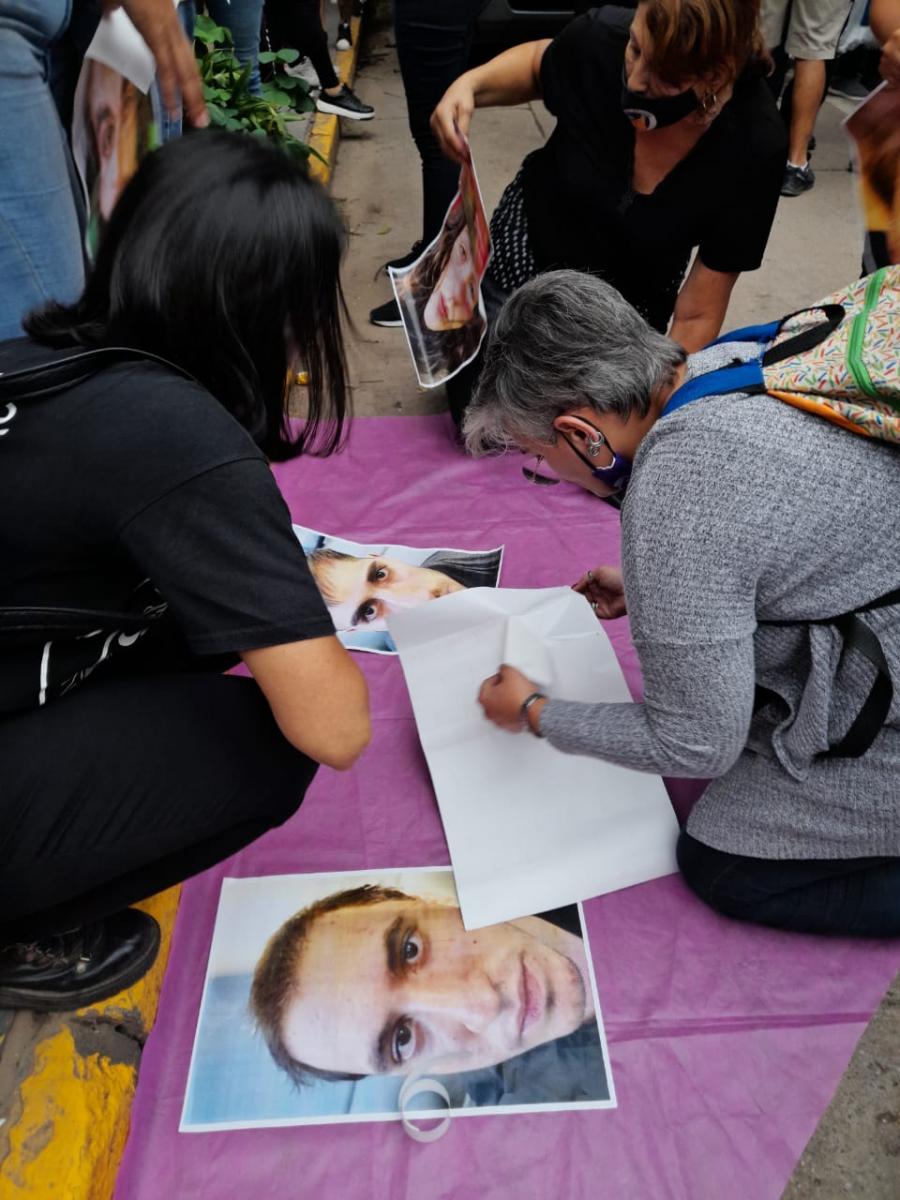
(328, 994)
(364, 584)
(363, 592)
(400, 987)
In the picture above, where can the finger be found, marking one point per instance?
(188, 76)
(463, 118)
(439, 127)
(581, 585)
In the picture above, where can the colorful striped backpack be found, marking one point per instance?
(845, 368)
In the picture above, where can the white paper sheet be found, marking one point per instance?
(529, 828)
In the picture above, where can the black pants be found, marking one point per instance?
(128, 786)
(461, 388)
(297, 25)
(433, 41)
(855, 896)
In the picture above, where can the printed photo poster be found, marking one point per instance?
(327, 995)
(115, 120)
(364, 583)
(875, 132)
(440, 294)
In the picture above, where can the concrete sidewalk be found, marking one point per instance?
(815, 247)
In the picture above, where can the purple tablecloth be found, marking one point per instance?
(726, 1042)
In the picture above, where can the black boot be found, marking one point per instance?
(405, 260)
(81, 966)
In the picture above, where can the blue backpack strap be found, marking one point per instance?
(751, 333)
(742, 377)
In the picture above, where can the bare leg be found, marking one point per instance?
(809, 88)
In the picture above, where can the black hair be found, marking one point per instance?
(223, 256)
(471, 568)
(438, 352)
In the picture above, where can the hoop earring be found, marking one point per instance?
(709, 104)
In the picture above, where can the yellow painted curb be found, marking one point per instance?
(70, 1136)
(326, 127)
(74, 1106)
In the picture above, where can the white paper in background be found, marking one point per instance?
(119, 46)
(529, 828)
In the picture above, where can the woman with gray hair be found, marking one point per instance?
(749, 528)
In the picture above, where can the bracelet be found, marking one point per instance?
(526, 704)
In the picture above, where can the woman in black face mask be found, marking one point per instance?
(667, 140)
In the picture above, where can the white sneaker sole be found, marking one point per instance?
(343, 44)
(398, 324)
(324, 106)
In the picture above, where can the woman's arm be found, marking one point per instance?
(693, 723)
(513, 77)
(701, 306)
(884, 18)
(318, 697)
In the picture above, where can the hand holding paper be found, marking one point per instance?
(502, 696)
(604, 590)
(528, 828)
(158, 24)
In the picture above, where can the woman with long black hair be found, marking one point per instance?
(146, 547)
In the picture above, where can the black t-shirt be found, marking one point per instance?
(139, 524)
(580, 207)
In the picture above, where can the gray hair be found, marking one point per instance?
(563, 340)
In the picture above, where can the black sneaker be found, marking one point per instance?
(405, 260)
(345, 104)
(344, 38)
(386, 315)
(69, 970)
(797, 180)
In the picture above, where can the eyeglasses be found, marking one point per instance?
(533, 474)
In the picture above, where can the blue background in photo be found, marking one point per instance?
(233, 1078)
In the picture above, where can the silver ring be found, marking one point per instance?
(590, 576)
(594, 605)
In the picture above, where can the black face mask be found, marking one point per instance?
(656, 112)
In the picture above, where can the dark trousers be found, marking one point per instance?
(128, 786)
(852, 896)
(461, 388)
(297, 24)
(433, 42)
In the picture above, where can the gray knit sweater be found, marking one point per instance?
(743, 510)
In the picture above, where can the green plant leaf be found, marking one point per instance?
(287, 55)
(206, 30)
(274, 95)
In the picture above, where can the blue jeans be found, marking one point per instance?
(41, 255)
(244, 19)
(855, 896)
(171, 126)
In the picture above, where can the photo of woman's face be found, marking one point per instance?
(362, 592)
(455, 296)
